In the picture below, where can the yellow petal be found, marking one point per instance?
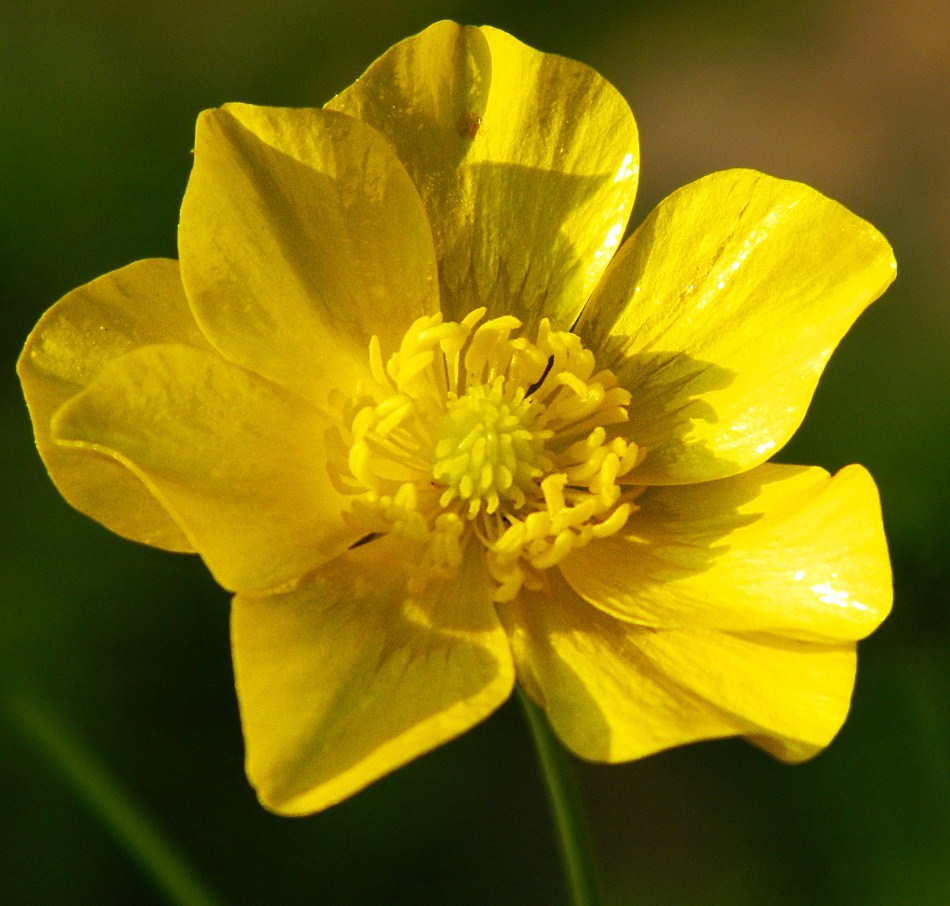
(603, 697)
(781, 549)
(792, 695)
(720, 312)
(527, 164)
(301, 237)
(138, 305)
(238, 461)
(615, 691)
(349, 676)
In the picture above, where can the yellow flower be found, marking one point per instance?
(402, 397)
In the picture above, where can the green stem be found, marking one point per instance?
(567, 807)
(112, 805)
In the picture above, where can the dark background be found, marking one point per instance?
(126, 649)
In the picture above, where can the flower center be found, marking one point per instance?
(472, 442)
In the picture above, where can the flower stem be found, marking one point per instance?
(566, 807)
(108, 801)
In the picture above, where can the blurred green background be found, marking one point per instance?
(127, 648)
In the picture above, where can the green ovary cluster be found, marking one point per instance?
(489, 450)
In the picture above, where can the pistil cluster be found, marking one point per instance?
(471, 439)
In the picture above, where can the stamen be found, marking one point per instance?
(475, 442)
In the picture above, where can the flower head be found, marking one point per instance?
(406, 398)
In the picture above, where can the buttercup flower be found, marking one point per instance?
(404, 399)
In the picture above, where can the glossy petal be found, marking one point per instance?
(527, 164)
(720, 312)
(349, 676)
(136, 306)
(780, 549)
(615, 691)
(238, 461)
(302, 236)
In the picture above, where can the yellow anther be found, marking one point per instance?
(563, 543)
(413, 366)
(566, 379)
(402, 409)
(376, 365)
(613, 523)
(553, 489)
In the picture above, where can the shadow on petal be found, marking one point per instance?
(350, 675)
(670, 393)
